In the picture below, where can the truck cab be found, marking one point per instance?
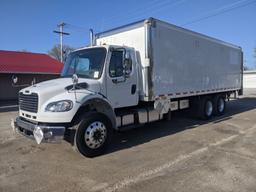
(111, 68)
(94, 82)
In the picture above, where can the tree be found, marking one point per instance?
(55, 52)
(254, 55)
(246, 68)
(23, 50)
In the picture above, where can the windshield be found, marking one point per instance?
(87, 63)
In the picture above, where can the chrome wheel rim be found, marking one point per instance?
(221, 105)
(209, 108)
(95, 135)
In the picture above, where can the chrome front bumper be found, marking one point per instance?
(41, 133)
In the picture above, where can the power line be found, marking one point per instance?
(156, 7)
(131, 11)
(164, 4)
(80, 28)
(220, 11)
(110, 18)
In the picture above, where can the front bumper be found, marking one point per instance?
(41, 133)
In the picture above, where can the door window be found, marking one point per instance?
(116, 68)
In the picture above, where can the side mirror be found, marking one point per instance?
(127, 67)
(14, 79)
(74, 78)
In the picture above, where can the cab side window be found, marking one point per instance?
(116, 64)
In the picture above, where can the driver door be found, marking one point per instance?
(122, 88)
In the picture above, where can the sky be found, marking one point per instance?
(29, 24)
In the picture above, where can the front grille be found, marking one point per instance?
(28, 102)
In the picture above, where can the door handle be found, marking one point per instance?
(133, 89)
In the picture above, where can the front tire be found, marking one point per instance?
(93, 134)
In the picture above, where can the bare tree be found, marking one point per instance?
(246, 68)
(254, 55)
(55, 52)
(23, 50)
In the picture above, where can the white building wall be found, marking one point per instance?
(249, 80)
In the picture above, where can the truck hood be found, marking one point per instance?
(52, 88)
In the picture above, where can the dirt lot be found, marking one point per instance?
(181, 155)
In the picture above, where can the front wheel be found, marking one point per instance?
(93, 134)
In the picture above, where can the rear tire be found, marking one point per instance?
(206, 108)
(93, 134)
(219, 105)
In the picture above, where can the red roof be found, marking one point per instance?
(25, 62)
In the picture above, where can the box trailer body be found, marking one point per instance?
(128, 77)
(176, 61)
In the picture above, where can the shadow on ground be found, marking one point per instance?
(8, 105)
(180, 122)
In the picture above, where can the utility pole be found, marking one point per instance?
(61, 32)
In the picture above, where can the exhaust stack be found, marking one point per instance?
(91, 37)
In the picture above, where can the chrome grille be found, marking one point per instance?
(28, 102)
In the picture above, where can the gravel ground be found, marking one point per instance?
(180, 155)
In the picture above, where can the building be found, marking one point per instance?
(249, 80)
(26, 67)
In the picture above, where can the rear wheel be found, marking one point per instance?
(93, 134)
(206, 108)
(219, 105)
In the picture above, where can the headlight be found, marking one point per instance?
(59, 106)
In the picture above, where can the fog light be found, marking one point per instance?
(38, 134)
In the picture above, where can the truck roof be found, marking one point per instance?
(89, 47)
(140, 23)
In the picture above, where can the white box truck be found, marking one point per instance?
(130, 76)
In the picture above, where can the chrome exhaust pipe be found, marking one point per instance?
(91, 37)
